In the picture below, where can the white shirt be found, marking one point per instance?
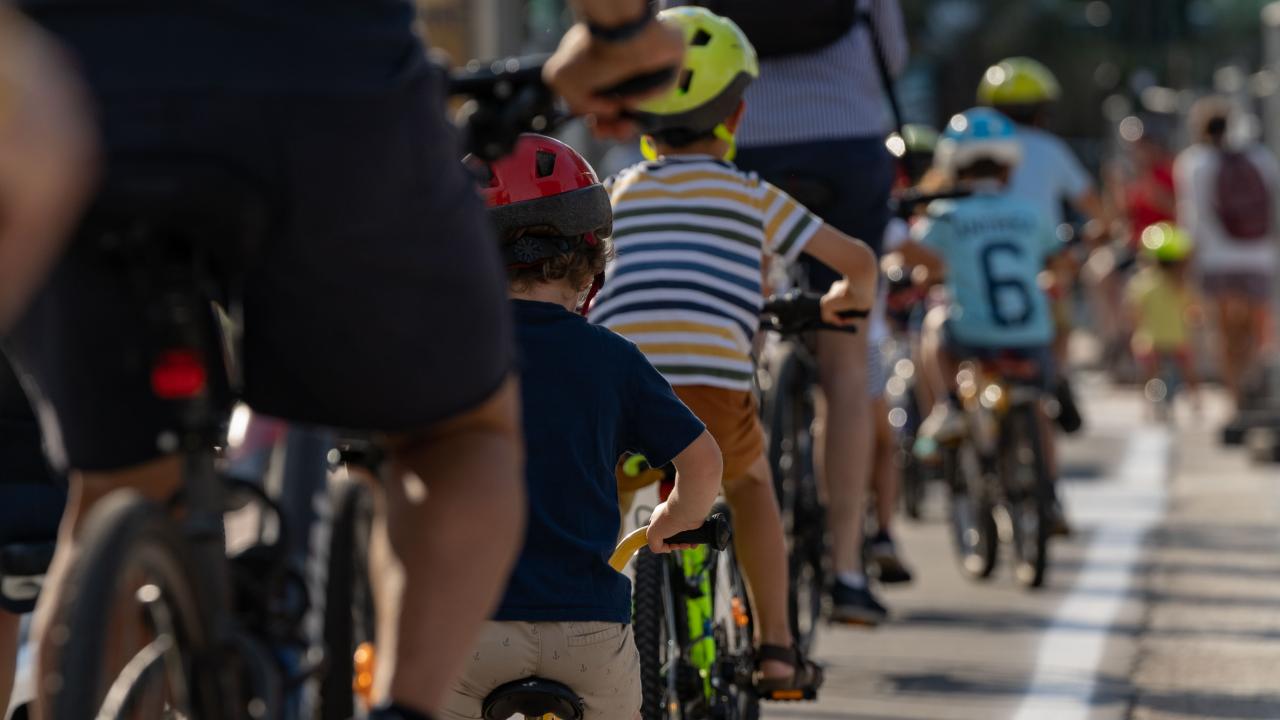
(1195, 174)
(1048, 174)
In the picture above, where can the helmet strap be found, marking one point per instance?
(648, 148)
(722, 132)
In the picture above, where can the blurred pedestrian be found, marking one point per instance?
(1225, 202)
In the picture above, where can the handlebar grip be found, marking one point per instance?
(640, 84)
(859, 314)
(714, 533)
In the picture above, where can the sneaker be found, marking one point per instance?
(946, 424)
(883, 555)
(856, 606)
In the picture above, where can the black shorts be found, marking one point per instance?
(31, 497)
(377, 302)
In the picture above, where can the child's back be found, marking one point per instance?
(588, 396)
(691, 233)
(1161, 304)
(994, 246)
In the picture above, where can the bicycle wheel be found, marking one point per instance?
(655, 622)
(913, 483)
(735, 650)
(1029, 494)
(132, 593)
(791, 416)
(348, 600)
(973, 524)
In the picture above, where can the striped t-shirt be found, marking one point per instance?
(691, 233)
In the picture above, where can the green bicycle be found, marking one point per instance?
(693, 628)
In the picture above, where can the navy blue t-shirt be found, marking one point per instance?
(589, 395)
(236, 45)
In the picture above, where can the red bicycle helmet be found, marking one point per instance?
(547, 185)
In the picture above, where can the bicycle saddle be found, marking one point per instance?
(533, 697)
(195, 205)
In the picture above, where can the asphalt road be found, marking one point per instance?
(1165, 602)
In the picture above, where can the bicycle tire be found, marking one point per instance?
(795, 483)
(735, 649)
(648, 624)
(348, 601)
(974, 534)
(123, 535)
(912, 483)
(1029, 502)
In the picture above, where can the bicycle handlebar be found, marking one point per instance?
(905, 205)
(509, 97)
(799, 311)
(715, 533)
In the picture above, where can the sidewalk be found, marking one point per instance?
(1209, 641)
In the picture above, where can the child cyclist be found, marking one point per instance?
(588, 396)
(692, 231)
(1162, 306)
(994, 247)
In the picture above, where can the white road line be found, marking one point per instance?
(1120, 513)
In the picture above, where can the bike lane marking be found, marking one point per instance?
(1119, 513)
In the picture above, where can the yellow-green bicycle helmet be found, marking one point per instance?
(1018, 81)
(1165, 242)
(719, 63)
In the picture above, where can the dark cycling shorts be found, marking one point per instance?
(31, 497)
(378, 300)
(1040, 355)
(845, 182)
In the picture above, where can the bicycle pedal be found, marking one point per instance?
(796, 695)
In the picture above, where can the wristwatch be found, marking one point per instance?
(623, 32)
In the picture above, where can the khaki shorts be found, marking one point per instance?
(598, 660)
(731, 418)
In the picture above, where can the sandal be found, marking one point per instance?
(804, 682)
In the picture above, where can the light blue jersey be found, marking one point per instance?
(994, 246)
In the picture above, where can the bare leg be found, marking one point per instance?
(846, 442)
(8, 656)
(762, 551)
(1228, 347)
(455, 544)
(884, 474)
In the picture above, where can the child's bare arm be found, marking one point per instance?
(854, 260)
(914, 254)
(699, 470)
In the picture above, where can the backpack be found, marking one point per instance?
(788, 28)
(1242, 200)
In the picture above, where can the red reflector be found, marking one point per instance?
(178, 375)
(665, 488)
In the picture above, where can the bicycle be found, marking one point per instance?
(788, 381)
(539, 698)
(997, 472)
(209, 627)
(693, 629)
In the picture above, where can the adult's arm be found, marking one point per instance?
(585, 64)
(47, 158)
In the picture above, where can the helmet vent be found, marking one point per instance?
(686, 79)
(700, 38)
(545, 163)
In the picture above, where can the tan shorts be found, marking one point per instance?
(598, 660)
(732, 419)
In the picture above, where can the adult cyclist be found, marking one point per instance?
(373, 221)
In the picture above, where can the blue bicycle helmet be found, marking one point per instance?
(978, 134)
